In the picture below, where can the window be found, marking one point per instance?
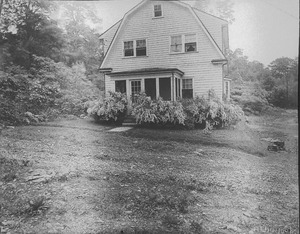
(135, 48)
(120, 86)
(128, 48)
(187, 88)
(157, 11)
(190, 43)
(176, 44)
(135, 89)
(141, 48)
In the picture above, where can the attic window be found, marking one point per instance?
(157, 11)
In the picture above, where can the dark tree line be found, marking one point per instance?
(279, 80)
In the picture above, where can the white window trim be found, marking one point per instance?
(162, 11)
(183, 43)
(193, 85)
(134, 48)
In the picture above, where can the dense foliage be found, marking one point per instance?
(157, 111)
(202, 112)
(255, 87)
(112, 108)
(37, 80)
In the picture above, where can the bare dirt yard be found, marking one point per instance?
(74, 176)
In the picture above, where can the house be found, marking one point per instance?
(166, 49)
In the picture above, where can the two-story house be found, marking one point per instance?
(166, 49)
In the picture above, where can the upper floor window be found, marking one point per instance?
(183, 43)
(135, 48)
(141, 48)
(157, 11)
(128, 48)
(176, 43)
(190, 43)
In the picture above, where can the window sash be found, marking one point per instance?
(128, 48)
(187, 84)
(157, 11)
(176, 43)
(190, 43)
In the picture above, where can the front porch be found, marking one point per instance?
(155, 82)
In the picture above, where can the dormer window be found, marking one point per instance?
(157, 10)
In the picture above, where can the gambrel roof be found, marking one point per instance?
(204, 19)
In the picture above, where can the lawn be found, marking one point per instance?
(73, 176)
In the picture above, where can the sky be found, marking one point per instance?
(264, 29)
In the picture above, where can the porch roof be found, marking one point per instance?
(147, 71)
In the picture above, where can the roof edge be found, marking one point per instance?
(194, 8)
(152, 71)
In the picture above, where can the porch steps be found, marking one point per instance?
(129, 121)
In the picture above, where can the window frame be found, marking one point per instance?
(183, 41)
(135, 48)
(182, 86)
(161, 9)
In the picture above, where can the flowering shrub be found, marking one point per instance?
(112, 108)
(157, 111)
(201, 112)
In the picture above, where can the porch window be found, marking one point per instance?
(190, 43)
(141, 48)
(135, 89)
(120, 86)
(128, 48)
(176, 44)
(187, 88)
(157, 11)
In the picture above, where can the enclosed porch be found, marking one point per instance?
(155, 82)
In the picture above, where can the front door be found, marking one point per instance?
(136, 88)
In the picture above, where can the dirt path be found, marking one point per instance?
(145, 181)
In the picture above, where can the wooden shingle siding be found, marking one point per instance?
(108, 35)
(176, 20)
(213, 25)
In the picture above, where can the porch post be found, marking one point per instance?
(143, 85)
(174, 87)
(157, 86)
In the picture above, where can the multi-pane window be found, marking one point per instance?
(157, 11)
(141, 48)
(187, 88)
(128, 48)
(176, 43)
(190, 43)
(135, 89)
(135, 48)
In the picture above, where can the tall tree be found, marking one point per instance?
(285, 70)
(78, 21)
(26, 29)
